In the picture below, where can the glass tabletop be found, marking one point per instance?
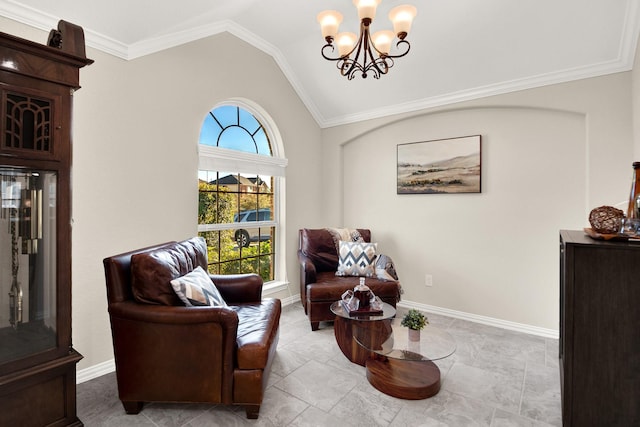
(393, 342)
(388, 311)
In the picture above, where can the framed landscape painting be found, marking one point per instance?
(441, 166)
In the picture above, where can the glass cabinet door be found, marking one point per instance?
(27, 262)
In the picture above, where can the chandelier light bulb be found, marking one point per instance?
(366, 8)
(345, 42)
(402, 17)
(329, 22)
(366, 53)
(382, 41)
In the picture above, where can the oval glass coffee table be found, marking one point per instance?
(350, 329)
(404, 368)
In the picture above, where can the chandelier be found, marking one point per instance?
(367, 53)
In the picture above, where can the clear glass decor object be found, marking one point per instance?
(28, 262)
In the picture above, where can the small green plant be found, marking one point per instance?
(414, 320)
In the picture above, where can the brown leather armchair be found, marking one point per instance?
(319, 285)
(166, 352)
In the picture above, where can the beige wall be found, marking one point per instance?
(136, 126)
(549, 156)
(636, 104)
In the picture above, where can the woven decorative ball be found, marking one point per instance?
(606, 219)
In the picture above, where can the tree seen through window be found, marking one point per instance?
(236, 208)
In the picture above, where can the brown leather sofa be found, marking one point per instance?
(167, 352)
(319, 285)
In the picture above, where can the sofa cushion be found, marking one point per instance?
(317, 244)
(153, 271)
(196, 289)
(329, 287)
(346, 234)
(356, 259)
(258, 325)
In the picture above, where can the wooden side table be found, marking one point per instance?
(349, 330)
(403, 368)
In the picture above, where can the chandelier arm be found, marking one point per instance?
(377, 63)
(350, 68)
(380, 66)
(325, 56)
(353, 64)
(367, 54)
(405, 44)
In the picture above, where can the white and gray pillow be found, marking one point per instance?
(197, 289)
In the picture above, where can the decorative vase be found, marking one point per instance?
(414, 334)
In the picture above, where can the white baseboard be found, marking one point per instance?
(290, 300)
(274, 288)
(490, 321)
(95, 371)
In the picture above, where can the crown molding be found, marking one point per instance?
(483, 92)
(624, 61)
(158, 44)
(167, 41)
(27, 15)
(45, 22)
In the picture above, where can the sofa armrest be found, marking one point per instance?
(173, 315)
(238, 288)
(307, 269)
(161, 351)
(307, 275)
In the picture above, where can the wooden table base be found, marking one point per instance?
(405, 379)
(347, 330)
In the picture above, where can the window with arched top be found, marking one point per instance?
(241, 189)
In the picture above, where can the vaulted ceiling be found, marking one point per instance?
(460, 49)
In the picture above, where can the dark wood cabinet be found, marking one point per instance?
(37, 359)
(599, 331)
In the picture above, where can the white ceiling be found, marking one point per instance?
(460, 49)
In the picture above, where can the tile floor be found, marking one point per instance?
(495, 378)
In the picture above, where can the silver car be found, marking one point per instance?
(244, 236)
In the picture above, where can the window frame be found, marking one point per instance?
(213, 158)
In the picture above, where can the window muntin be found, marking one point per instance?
(234, 128)
(237, 210)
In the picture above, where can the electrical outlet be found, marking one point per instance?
(428, 280)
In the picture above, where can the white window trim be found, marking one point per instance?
(226, 160)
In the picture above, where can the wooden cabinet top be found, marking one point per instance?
(59, 61)
(579, 237)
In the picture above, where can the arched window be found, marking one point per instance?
(241, 189)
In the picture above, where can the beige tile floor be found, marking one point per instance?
(496, 378)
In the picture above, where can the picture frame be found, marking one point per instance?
(441, 166)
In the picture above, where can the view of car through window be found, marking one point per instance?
(244, 236)
(236, 214)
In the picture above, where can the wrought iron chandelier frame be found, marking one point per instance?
(376, 64)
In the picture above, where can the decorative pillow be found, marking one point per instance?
(385, 270)
(346, 234)
(153, 270)
(356, 259)
(196, 288)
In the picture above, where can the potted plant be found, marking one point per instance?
(415, 321)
